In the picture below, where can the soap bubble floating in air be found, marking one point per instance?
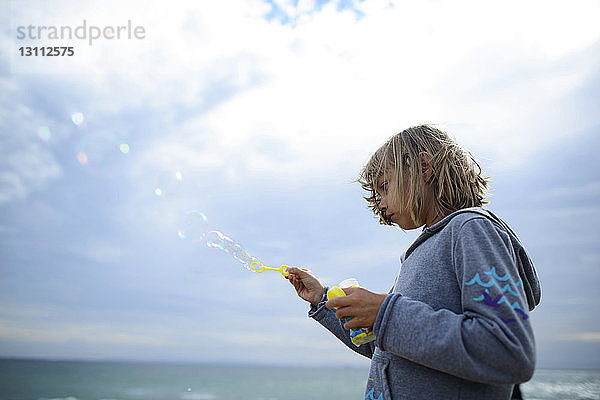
(44, 133)
(216, 239)
(195, 228)
(77, 118)
(167, 183)
(82, 157)
(99, 149)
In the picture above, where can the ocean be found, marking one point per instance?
(78, 380)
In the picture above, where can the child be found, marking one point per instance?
(455, 324)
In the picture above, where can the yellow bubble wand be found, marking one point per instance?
(259, 267)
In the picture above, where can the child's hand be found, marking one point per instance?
(360, 304)
(306, 284)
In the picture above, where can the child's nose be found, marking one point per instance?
(382, 205)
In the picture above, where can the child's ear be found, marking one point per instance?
(426, 162)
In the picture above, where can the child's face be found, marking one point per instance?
(390, 205)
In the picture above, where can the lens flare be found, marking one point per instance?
(124, 147)
(168, 183)
(77, 118)
(102, 148)
(82, 158)
(44, 133)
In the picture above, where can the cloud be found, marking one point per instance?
(25, 171)
(593, 337)
(58, 332)
(261, 339)
(27, 164)
(313, 89)
(99, 251)
(312, 72)
(269, 110)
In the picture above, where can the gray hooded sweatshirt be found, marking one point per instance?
(456, 322)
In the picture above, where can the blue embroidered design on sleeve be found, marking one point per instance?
(507, 289)
(488, 301)
(371, 395)
(495, 275)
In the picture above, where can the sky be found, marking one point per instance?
(260, 114)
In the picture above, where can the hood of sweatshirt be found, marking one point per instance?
(525, 266)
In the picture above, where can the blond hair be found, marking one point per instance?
(456, 179)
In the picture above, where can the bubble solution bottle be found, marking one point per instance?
(358, 336)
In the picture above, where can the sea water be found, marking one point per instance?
(78, 380)
(68, 380)
(563, 384)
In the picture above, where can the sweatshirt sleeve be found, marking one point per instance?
(327, 318)
(491, 340)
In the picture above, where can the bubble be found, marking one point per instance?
(237, 251)
(82, 157)
(167, 183)
(213, 239)
(77, 118)
(124, 147)
(44, 133)
(193, 227)
(101, 149)
(243, 256)
(218, 240)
